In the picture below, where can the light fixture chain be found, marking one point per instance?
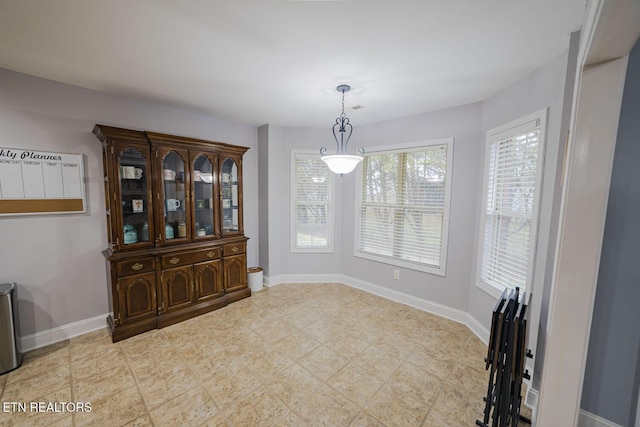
(341, 162)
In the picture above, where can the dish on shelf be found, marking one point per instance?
(130, 234)
(138, 205)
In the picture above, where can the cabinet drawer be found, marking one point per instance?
(185, 258)
(206, 255)
(135, 266)
(234, 249)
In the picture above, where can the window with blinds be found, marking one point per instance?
(312, 210)
(403, 207)
(510, 217)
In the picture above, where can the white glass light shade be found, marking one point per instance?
(341, 163)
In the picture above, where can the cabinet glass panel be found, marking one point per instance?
(133, 171)
(203, 196)
(229, 190)
(173, 181)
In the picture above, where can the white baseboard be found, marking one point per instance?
(410, 300)
(282, 279)
(477, 328)
(587, 419)
(61, 333)
(422, 304)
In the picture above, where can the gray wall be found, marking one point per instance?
(467, 125)
(71, 284)
(282, 261)
(544, 88)
(56, 259)
(463, 124)
(263, 197)
(553, 215)
(612, 373)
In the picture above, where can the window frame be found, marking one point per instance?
(293, 246)
(405, 148)
(494, 136)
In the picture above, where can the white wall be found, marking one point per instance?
(56, 259)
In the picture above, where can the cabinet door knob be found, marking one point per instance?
(210, 254)
(235, 249)
(137, 266)
(174, 260)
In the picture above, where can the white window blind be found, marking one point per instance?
(403, 207)
(311, 210)
(511, 199)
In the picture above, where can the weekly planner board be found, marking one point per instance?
(40, 182)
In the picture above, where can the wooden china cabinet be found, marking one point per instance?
(174, 224)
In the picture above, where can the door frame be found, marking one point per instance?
(610, 30)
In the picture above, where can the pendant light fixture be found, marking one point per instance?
(342, 162)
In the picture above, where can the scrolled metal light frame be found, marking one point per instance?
(342, 162)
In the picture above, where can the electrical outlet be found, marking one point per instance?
(396, 274)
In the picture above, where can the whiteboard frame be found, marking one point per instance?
(13, 206)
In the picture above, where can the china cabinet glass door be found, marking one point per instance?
(135, 193)
(229, 191)
(203, 193)
(174, 190)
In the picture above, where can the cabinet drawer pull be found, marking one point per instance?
(210, 254)
(174, 260)
(235, 249)
(137, 266)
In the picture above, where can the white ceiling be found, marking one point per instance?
(278, 62)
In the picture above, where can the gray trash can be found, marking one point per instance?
(10, 352)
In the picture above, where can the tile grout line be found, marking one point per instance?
(71, 383)
(291, 305)
(200, 383)
(443, 383)
(135, 381)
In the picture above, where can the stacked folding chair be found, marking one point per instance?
(506, 361)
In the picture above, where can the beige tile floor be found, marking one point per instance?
(292, 355)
